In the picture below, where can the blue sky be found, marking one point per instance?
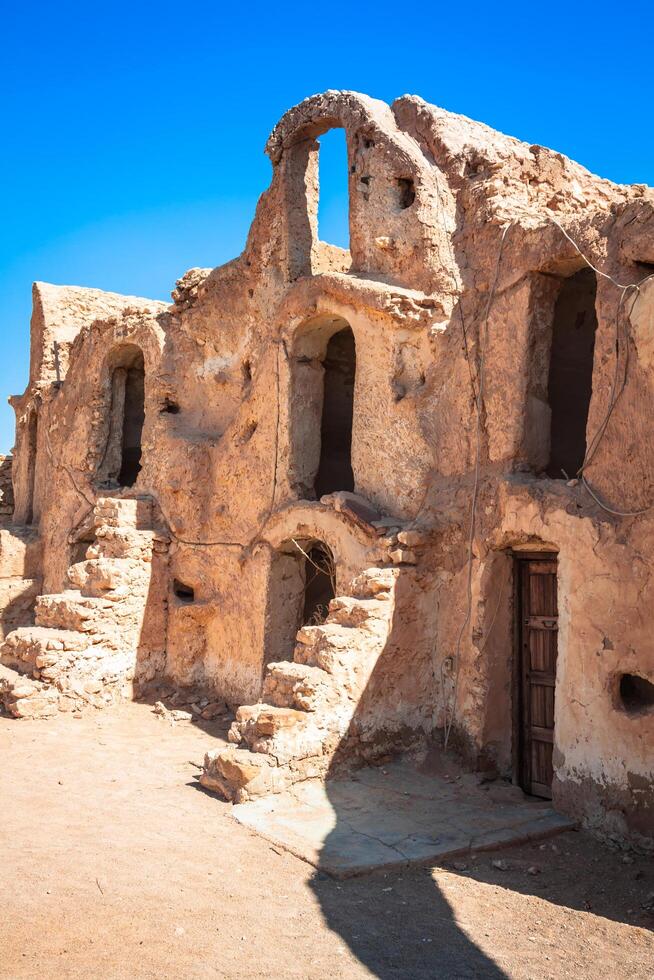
(133, 133)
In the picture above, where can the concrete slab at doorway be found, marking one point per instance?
(395, 817)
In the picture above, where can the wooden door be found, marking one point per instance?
(537, 675)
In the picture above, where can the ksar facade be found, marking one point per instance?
(367, 496)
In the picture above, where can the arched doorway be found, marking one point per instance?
(301, 584)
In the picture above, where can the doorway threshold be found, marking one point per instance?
(395, 817)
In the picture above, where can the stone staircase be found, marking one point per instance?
(92, 641)
(308, 704)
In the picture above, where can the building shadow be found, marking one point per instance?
(396, 925)
(401, 926)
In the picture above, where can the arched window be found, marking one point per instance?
(339, 365)
(122, 458)
(333, 190)
(322, 407)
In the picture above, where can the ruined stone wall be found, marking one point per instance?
(450, 285)
(6, 488)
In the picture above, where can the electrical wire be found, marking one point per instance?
(619, 381)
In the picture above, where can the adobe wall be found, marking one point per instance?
(437, 293)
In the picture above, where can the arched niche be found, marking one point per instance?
(321, 406)
(122, 458)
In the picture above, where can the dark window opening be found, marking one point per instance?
(406, 192)
(170, 407)
(185, 593)
(334, 195)
(133, 419)
(247, 371)
(636, 694)
(571, 373)
(319, 584)
(645, 270)
(335, 467)
(32, 438)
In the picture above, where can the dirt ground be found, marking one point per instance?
(115, 864)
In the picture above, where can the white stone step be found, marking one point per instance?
(293, 685)
(26, 698)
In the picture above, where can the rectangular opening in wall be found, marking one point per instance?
(334, 197)
(32, 433)
(571, 373)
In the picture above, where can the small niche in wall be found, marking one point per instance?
(183, 592)
(169, 407)
(636, 694)
(406, 192)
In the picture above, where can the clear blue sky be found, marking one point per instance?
(133, 133)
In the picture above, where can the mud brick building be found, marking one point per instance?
(366, 495)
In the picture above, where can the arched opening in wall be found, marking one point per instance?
(570, 382)
(321, 405)
(319, 584)
(333, 189)
(335, 467)
(123, 454)
(32, 439)
(301, 584)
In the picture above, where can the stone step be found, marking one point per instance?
(375, 583)
(349, 611)
(292, 685)
(335, 648)
(126, 542)
(135, 512)
(71, 610)
(254, 721)
(22, 697)
(96, 577)
(239, 775)
(32, 648)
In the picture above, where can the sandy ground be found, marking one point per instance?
(115, 864)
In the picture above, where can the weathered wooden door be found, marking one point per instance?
(538, 636)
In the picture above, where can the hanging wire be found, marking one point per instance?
(619, 376)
